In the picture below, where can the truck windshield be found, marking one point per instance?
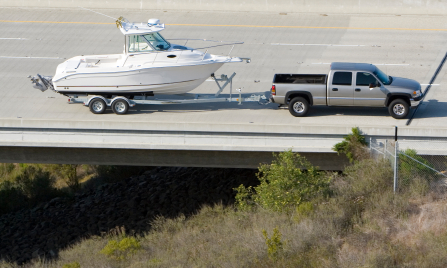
(385, 79)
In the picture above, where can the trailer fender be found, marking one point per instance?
(87, 103)
(131, 104)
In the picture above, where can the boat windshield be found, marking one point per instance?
(157, 41)
(385, 79)
(147, 42)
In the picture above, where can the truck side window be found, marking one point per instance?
(342, 78)
(364, 79)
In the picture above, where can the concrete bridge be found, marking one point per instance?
(42, 127)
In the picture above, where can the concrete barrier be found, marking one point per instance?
(397, 7)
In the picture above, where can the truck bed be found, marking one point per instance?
(300, 78)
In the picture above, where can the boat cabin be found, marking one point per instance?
(140, 37)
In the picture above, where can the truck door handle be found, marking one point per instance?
(335, 89)
(358, 89)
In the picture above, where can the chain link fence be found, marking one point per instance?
(425, 167)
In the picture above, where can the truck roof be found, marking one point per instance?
(353, 66)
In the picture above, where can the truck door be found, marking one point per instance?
(364, 95)
(341, 89)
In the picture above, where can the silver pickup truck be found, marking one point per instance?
(347, 84)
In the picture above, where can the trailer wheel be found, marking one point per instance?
(298, 106)
(120, 106)
(399, 109)
(97, 106)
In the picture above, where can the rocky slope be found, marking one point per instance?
(131, 203)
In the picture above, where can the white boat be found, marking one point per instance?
(149, 65)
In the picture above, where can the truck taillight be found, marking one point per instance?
(273, 90)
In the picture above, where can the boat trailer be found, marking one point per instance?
(120, 104)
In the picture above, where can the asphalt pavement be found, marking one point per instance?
(36, 40)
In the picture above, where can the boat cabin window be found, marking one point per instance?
(137, 43)
(147, 42)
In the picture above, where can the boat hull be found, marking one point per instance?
(133, 81)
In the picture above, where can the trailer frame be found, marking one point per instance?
(121, 104)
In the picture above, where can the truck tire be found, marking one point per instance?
(97, 106)
(399, 108)
(120, 107)
(298, 106)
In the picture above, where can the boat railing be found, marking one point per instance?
(223, 43)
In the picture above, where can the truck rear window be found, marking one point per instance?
(300, 78)
(342, 78)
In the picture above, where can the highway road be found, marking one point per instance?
(36, 40)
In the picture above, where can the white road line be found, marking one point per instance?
(327, 45)
(393, 64)
(51, 58)
(429, 84)
(396, 64)
(5, 38)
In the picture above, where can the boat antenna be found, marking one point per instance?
(98, 13)
(119, 20)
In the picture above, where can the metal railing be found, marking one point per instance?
(411, 167)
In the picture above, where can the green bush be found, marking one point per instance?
(72, 265)
(303, 211)
(274, 244)
(26, 186)
(121, 250)
(286, 183)
(36, 184)
(353, 146)
(411, 170)
(67, 172)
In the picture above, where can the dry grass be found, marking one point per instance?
(215, 237)
(362, 224)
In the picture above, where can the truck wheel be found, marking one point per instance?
(97, 106)
(298, 106)
(399, 109)
(120, 106)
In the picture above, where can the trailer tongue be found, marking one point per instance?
(41, 82)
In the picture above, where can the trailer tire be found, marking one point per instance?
(120, 107)
(298, 107)
(399, 108)
(97, 106)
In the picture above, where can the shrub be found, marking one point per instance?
(353, 146)
(244, 197)
(25, 186)
(12, 197)
(72, 265)
(36, 184)
(287, 182)
(411, 170)
(121, 250)
(274, 244)
(303, 211)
